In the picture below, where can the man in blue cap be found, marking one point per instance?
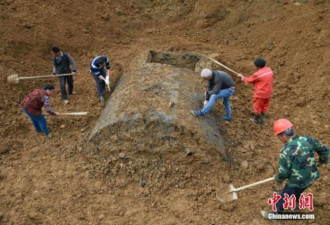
(101, 77)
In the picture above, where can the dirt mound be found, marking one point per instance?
(68, 180)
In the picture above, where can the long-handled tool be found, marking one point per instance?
(224, 66)
(230, 194)
(15, 78)
(74, 113)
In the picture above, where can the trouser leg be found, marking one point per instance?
(257, 109)
(225, 93)
(209, 104)
(100, 85)
(257, 105)
(33, 119)
(43, 124)
(226, 103)
(290, 191)
(70, 84)
(264, 109)
(64, 94)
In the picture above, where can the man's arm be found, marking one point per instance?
(107, 63)
(73, 63)
(108, 66)
(284, 168)
(252, 79)
(216, 88)
(46, 102)
(321, 150)
(54, 68)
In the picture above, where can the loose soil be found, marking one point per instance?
(68, 180)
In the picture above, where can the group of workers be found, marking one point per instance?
(297, 161)
(221, 85)
(61, 66)
(62, 62)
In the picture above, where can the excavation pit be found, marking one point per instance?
(176, 59)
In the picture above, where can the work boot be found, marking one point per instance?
(226, 118)
(262, 117)
(256, 119)
(197, 113)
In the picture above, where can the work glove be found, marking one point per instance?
(107, 80)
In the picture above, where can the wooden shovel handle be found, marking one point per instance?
(43, 76)
(224, 66)
(254, 184)
(74, 113)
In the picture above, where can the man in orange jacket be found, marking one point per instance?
(263, 89)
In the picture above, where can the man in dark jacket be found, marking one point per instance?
(100, 76)
(220, 85)
(61, 65)
(32, 104)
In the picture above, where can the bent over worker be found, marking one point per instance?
(32, 104)
(262, 81)
(220, 85)
(297, 161)
(61, 65)
(98, 72)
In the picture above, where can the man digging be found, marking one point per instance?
(220, 85)
(297, 163)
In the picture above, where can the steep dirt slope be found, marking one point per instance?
(64, 180)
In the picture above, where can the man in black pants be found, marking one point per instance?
(61, 65)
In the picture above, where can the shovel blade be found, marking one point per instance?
(233, 193)
(227, 194)
(234, 196)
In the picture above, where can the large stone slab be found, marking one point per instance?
(150, 107)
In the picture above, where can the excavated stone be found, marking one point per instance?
(138, 111)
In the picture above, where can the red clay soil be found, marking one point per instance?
(63, 180)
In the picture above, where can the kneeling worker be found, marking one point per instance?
(220, 85)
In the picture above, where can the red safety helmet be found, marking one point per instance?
(281, 125)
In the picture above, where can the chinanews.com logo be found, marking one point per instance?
(291, 202)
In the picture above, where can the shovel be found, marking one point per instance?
(231, 195)
(15, 78)
(224, 66)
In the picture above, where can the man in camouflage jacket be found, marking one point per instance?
(297, 161)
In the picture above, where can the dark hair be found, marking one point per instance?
(260, 62)
(287, 132)
(48, 87)
(100, 61)
(56, 49)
